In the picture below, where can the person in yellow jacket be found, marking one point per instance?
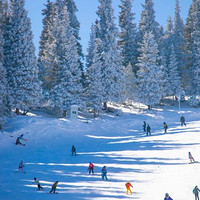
(53, 189)
(128, 187)
(165, 127)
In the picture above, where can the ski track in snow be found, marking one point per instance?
(154, 165)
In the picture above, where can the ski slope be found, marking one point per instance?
(154, 165)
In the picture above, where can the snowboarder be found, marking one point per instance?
(104, 173)
(73, 150)
(167, 197)
(191, 157)
(196, 192)
(91, 168)
(38, 184)
(182, 120)
(144, 126)
(128, 187)
(53, 189)
(18, 141)
(165, 127)
(148, 130)
(21, 165)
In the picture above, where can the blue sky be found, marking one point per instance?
(87, 14)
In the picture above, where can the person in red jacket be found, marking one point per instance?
(128, 187)
(91, 168)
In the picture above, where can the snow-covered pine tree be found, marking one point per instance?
(168, 41)
(148, 22)
(192, 35)
(75, 24)
(150, 75)
(127, 41)
(166, 52)
(68, 88)
(130, 84)
(20, 59)
(47, 62)
(112, 70)
(5, 107)
(3, 13)
(91, 46)
(195, 68)
(174, 77)
(95, 77)
(179, 41)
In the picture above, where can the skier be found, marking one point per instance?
(128, 187)
(165, 127)
(167, 197)
(38, 184)
(104, 173)
(182, 120)
(148, 130)
(191, 157)
(21, 165)
(91, 168)
(196, 192)
(73, 150)
(53, 189)
(144, 126)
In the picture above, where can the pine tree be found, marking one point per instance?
(148, 22)
(75, 25)
(130, 84)
(3, 13)
(192, 34)
(20, 59)
(150, 74)
(91, 46)
(112, 71)
(95, 77)
(47, 63)
(166, 52)
(179, 40)
(127, 41)
(68, 89)
(5, 109)
(195, 69)
(168, 41)
(174, 77)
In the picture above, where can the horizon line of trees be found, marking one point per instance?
(142, 63)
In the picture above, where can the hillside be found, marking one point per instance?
(154, 165)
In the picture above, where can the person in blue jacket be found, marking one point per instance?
(167, 197)
(196, 192)
(104, 173)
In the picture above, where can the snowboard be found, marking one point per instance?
(194, 162)
(52, 193)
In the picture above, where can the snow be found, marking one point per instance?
(154, 165)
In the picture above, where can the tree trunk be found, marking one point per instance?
(105, 105)
(17, 111)
(149, 107)
(96, 112)
(25, 112)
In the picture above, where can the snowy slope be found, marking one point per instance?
(154, 165)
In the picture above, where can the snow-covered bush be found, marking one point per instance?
(193, 102)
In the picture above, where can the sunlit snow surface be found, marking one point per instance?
(154, 165)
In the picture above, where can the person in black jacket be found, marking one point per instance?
(148, 130)
(144, 126)
(73, 150)
(182, 120)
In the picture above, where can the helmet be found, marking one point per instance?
(166, 194)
